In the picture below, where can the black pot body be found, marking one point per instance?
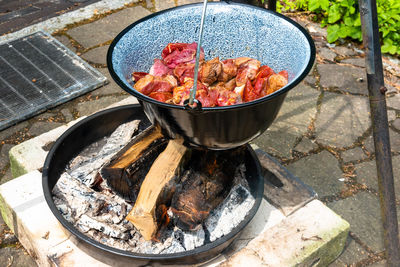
(215, 129)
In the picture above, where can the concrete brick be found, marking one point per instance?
(30, 155)
(27, 214)
(314, 236)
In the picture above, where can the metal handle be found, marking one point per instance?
(192, 95)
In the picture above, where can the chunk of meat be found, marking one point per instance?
(264, 72)
(210, 71)
(241, 60)
(247, 71)
(183, 71)
(177, 53)
(229, 70)
(150, 83)
(227, 98)
(249, 93)
(285, 74)
(159, 68)
(181, 93)
(161, 96)
(275, 82)
(136, 76)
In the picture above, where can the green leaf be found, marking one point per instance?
(356, 33)
(357, 21)
(332, 33)
(313, 5)
(348, 21)
(324, 4)
(344, 31)
(334, 14)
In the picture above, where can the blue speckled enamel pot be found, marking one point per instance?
(231, 30)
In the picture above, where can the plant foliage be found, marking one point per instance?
(342, 19)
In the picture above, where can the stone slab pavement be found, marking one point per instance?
(322, 133)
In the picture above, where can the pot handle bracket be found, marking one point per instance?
(195, 107)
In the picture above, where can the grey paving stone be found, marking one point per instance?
(362, 211)
(369, 144)
(45, 116)
(67, 115)
(391, 115)
(107, 28)
(305, 145)
(344, 78)
(111, 88)
(394, 141)
(164, 4)
(345, 51)
(292, 121)
(321, 172)
(396, 124)
(353, 154)
(11, 256)
(97, 55)
(315, 29)
(4, 161)
(343, 118)
(89, 107)
(66, 41)
(359, 62)
(381, 263)
(326, 53)
(41, 127)
(7, 176)
(310, 79)
(184, 2)
(149, 4)
(393, 102)
(367, 174)
(352, 253)
(13, 129)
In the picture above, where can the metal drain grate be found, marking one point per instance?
(38, 72)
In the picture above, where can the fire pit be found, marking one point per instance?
(94, 129)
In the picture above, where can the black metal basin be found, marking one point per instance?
(94, 128)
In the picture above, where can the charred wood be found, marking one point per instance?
(125, 172)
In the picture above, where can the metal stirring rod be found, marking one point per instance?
(196, 66)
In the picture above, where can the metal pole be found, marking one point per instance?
(376, 89)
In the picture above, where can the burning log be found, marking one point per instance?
(124, 173)
(202, 188)
(157, 188)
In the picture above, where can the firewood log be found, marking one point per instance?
(127, 169)
(157, 188)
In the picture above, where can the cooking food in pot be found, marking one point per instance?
(220, 83)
